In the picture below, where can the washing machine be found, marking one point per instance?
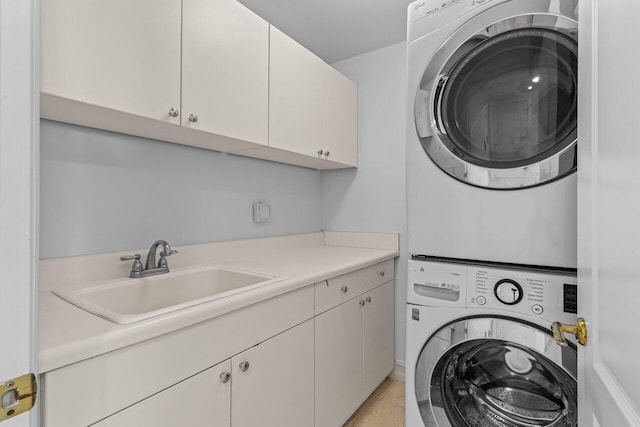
(480, 348)
(492, 130)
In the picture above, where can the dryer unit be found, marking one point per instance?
(491, 136)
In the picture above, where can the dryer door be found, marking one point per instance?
(497, 105)
(496, 371)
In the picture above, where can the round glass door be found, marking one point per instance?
(503, 106)
(512, 100)
(498, 372)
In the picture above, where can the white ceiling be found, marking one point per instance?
(337, 29)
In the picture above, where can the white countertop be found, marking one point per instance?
(68, 334)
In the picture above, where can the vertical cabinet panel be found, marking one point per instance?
(225, 69)
(276, 389)
(338, 376)
(119, 54)
(378, 333)
(202, 400)
(339, 118)
(295, 96)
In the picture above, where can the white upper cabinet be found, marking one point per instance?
(295, 96)
(313, 108)
(232, 82)
(225, 70)
(339, 118)
(119, 54)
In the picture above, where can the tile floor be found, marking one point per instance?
(384, 408)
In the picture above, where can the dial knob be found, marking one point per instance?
(508, 291)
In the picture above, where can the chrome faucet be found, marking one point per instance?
(151, 268)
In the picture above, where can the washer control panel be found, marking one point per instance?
(524, 291)
(537, 293)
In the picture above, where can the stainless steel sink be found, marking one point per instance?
(131, 300)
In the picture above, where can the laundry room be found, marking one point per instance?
(285, 213)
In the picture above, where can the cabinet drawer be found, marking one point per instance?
(340, 289)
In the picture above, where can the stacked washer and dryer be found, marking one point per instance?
(491, 193)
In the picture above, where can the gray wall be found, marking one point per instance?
(104, 192)
(373, 198)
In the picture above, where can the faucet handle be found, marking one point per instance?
(136, 268)
(163, 257)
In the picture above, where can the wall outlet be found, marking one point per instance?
(261, 212)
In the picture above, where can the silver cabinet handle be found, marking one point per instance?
(193, 118)
(361, 303)
(225, 377)
(381, 274)
(368, 299)
(344, 289)
(326, 153)
(244, 366)
(320, 152)
(174, 112)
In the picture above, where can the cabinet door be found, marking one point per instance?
(225, 69)
(338, 363)
(119, 54)
(202, 400)
(339, 118)
(295, 96)
(378, 332)
(276, 387)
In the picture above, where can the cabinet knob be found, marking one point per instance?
(381, 273)
(368, 299)
(344, 289)
(361, 303)
(193, 118)
(244, 366)
(225, 377)
(326, 153)
(174, 112)
(320, 152)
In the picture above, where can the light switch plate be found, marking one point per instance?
(261, 212)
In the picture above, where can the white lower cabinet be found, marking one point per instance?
(378, 336)
(202, 400)
(354, 353)
(270, 384)
(308, 357)
(273, 381)
(338, 363)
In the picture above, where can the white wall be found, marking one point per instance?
(106, 192)
(373, 198)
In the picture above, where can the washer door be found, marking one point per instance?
(493, 371)
(497, 105)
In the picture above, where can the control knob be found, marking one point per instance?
(508, 291)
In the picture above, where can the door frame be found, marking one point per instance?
(19, 180)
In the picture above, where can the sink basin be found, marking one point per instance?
(131, 300)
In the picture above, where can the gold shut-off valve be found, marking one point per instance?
(579, 330)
